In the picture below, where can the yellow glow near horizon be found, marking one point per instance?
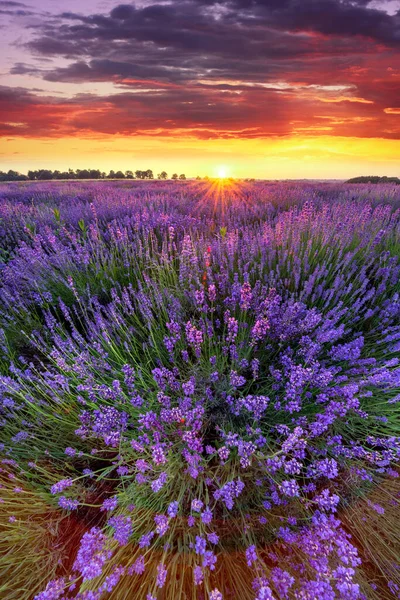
(273, 158)
(222, 172)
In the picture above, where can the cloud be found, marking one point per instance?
(242, 27)
(191, 112)
(10, 4)
(212, 69)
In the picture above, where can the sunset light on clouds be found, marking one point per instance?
(257, 88)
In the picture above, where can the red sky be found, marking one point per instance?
(263, 88)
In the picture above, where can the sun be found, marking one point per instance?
(222, 172)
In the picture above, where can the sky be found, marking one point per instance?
(255, 88)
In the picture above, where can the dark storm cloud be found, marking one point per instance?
(238, 39)
(206, 27)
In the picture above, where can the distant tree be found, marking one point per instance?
(82, 173)
(45, 174)
(12, 176)
(183, 176)
(48, 174)
(198, 178)
(374, 179)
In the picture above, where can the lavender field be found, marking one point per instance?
(199, 391)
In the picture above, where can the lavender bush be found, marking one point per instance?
(199, 391)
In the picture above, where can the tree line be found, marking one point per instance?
(374, 179)
(48, 175)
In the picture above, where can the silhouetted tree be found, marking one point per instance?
(44, 174)
(12, 176)
(82, 174)
(374, 179)
(94, 174)
(48, 174)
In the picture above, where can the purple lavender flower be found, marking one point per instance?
(290, 488)
(61, 485)
(194, 337)
(159, 483)
(112, 580)
(110, 504)
(245, 296)
(198, 575)
(161, 575)
(68, 503)
(266, 354)
(236, 380)
(327, 501)
(209, 560)
(92, 554)
(207, 515)
(162, 524)
(173, 509)
(70, 451)
(197, 505)
(213, 538)
(145, 540)
(54, 590)
(251, 555)
(265, 593)
(260, 329)
(159, 457)
(122, 528)
(138, 566)
(200, 545)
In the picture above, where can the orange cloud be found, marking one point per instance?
(392, 111)
(337, 99)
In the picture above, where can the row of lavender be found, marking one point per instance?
(200, 391)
